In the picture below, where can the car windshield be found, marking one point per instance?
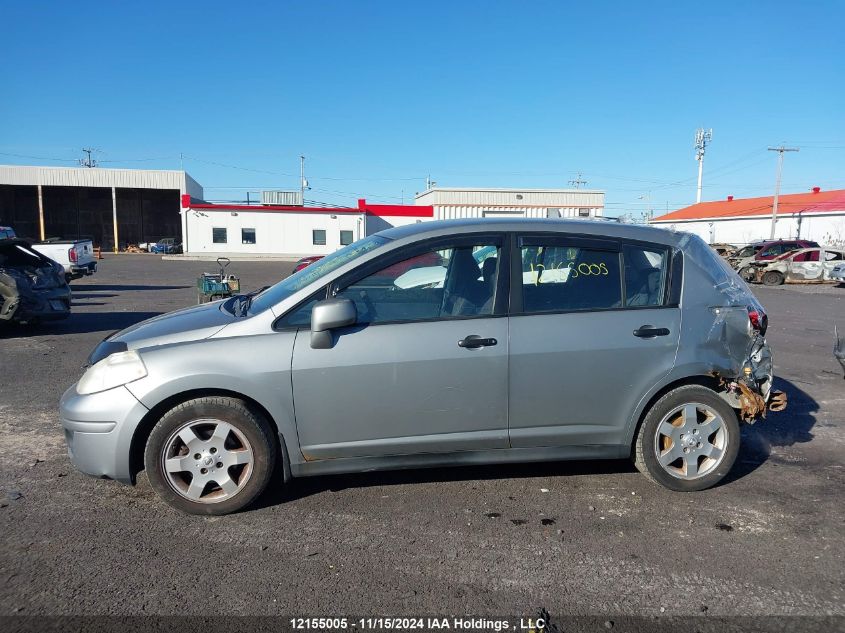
(748, 251)
(298, 280)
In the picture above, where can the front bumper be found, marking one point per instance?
(98, 430)
(838, 275)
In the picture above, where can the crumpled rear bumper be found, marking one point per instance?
(751, 391)
(26, 304)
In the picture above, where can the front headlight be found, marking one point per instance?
(113, 371)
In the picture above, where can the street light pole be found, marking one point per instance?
(780, 150)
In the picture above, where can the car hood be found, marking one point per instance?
(188, 324)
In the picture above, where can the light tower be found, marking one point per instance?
(702, 138)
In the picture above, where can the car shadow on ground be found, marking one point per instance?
(792, 426)
(119, 287)
(307, 486)
(78, 323)
(88, 295)
(778, 429)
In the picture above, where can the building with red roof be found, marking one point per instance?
(816, 215)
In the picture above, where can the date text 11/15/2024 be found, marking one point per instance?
(530, 625)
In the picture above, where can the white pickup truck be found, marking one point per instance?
(76, 256)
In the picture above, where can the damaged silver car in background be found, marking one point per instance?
(32, 286)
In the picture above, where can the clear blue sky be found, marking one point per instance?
(377, 95)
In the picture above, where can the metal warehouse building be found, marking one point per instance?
(111, 206)
(449, 203)
(817, 215)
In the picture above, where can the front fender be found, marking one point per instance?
(256, 366)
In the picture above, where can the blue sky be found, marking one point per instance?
(378, 95)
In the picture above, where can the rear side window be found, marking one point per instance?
(646, 271)
(807, 256)
(564, 277)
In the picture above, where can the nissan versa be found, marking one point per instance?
(444, 343)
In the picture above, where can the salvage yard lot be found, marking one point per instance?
(576, 538)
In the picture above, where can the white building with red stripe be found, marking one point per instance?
(294, 231)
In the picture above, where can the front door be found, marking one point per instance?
(595, 331)
(425, 369)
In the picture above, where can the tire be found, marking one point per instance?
(210, 455)
(711, 438)
(772, 278)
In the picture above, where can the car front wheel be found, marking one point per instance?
(689, 439)
(210, 455)
(772, 278)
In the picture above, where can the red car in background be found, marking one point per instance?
(742, 261)
(305, 262)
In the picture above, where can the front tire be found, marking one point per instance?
(747, 274)
(210, 455)
(772, 278)
(688, 440)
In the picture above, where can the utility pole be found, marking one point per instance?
(702, 137)
(88, 162)
(780, 150)
(577, 182)
(303, 183)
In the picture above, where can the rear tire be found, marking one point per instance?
(688, 440)
(772, 278)
(210, 455)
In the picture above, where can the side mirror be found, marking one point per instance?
(329, 315)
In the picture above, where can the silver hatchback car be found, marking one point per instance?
(444, 343)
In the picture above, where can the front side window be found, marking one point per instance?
(218, 235)
(247, 236)
(832, 256)
(563, 277)
(345, 238)
(645, 276)
(316, 271)
(318, 237)
(440, 283)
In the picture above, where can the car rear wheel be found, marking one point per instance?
(772, 278)
(689, 439)
(210, 455)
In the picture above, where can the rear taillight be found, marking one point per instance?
(759, 320)
(71, 254)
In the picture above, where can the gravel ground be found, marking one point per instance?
(576, 538)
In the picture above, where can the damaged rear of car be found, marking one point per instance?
(734, 347)
(32, 286)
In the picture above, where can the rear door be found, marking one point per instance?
(592, 328)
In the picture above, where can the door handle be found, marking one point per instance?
(649, 331)
(474, 341)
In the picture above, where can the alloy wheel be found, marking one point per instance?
(207, 460)
(690, 441)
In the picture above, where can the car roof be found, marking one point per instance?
(584, 227)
